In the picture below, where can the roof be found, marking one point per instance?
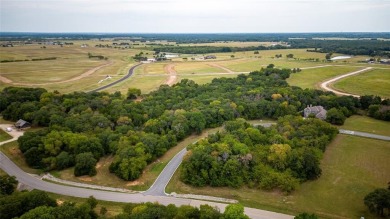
(21, 123)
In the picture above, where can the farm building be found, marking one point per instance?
(21, 124)
(318, 111)
(210, 57)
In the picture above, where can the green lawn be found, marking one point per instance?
(352, 167)
(4, 136)
(310, 78)
(375, 82)
(367, 124)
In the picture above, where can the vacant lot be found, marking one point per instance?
(367, 124)
(352, 167)
(375, 82)
(310, 78)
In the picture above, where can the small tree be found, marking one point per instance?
(328, 56)
(234, 211)
(290, 56)
(306, 216)
(378, 201)
(7, 184)
(270, 66)
(132, 93)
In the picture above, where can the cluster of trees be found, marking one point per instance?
(278, 157)
(96, 56)
(83, 127)
(140, 57)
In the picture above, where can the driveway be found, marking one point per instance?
(14, 133)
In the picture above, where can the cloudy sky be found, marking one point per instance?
(195, 16)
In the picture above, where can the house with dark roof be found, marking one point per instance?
(21, 124)
(210, 57)
(318, 111)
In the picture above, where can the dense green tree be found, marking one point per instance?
(378, 201)
(306, 216)
(85, 164)
(335, 116)
(234, 211)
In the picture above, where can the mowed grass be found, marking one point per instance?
(195, 67)
(351, 168)
(375, 82)
(311, 78)
(4, 136)
(367, 124)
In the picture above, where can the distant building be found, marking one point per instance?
(210, 57)
(385, 61)
(318, 111)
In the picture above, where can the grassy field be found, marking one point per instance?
(4, 135)
(72, 61)
(352, 167)
(367, 124)
(310, 78)
(375, 82)
(231, 44)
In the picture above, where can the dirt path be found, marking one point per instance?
(325, 84)
(221, 67)
(170, 69)
(83, 75)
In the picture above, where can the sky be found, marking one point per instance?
(194, 16)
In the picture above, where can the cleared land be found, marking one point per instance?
(352, 167)
(375, 82)
(310, 78)
(367, 124)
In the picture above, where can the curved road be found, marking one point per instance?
(130, 73)
(325, 84)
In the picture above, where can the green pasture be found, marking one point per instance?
(351, 168)
(310, 78)
(375, 82)
(367, 124)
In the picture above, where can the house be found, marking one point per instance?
(21, 124)
(318, 111)
(210, 57)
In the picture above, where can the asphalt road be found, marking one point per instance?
(130, 73)
(364, 134)
(8, 166)
(158, 187)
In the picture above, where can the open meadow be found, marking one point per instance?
(375, 82)
(311, 78)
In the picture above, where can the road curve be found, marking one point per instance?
(9, 167)
(325, 84)
(130, 73)
(158, 187)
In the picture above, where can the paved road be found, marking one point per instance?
(130, 73)
(325, 85)
(8, 166)
(364, 134)
(158, 187)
